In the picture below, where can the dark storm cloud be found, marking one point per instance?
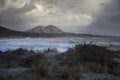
(1, 2)
(107, 23)
(9, 16)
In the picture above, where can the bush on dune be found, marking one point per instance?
(94, 58)
(92, 53)
(19, 58)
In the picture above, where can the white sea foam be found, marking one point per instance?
(62, 44)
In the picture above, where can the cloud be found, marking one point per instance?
(70, 15)
(108, 23)
(17, 4)
(55, 16)
(65, 13)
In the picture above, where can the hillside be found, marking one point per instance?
(46, 29)
(4, 30)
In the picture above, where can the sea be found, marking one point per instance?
(61, 44)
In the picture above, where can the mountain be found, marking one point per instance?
(4, 30)
(6, 33)
(46, 29)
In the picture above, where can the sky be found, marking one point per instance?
(77, 16)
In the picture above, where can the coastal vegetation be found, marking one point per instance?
(52, 65)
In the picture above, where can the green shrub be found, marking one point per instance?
(43, 69)
(71, 73)
(94, 58)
